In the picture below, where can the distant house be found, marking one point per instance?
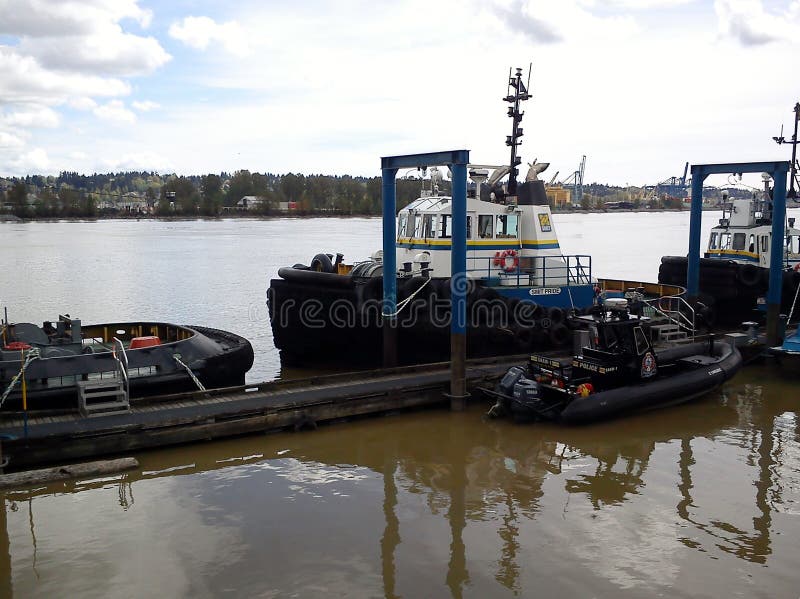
(287, 206)
(133, 202)
(250, 203)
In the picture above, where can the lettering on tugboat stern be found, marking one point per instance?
(544, 291)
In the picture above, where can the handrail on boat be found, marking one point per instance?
(683, 321)
(556, 271)
(122, 363)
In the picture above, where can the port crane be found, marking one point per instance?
(674, 187)
(575, 180)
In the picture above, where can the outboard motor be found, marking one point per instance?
(510, 379)
(526, 403)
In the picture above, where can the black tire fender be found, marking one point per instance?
(322, 263)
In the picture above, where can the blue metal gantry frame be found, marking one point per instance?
(457, 160)
(778, 170)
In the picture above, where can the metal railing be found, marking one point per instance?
(675, 309)
(541, 271)
(121, 360)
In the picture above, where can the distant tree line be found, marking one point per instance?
(72, 194)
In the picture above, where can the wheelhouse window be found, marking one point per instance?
(712, 244)
(402, 222)
(724, 241)
(764, 244)
(751, 244)
(485, 224)
(469, 227)
(793, 244)
(427, 226)
(411, 225)
(738, 241)
(506, 226)
(444, 228)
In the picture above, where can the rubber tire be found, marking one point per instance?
(524, 338)
(559, 335)
(322, 263)
(749, 275)
(556, 315)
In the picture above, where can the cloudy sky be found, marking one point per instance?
(198, 86)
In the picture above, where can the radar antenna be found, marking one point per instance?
(515, 97)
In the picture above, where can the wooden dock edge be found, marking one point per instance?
(48, 475)
(28, 453)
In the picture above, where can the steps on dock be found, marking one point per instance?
(102, 397)
(667, 333)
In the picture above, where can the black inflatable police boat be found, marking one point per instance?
(617, 371)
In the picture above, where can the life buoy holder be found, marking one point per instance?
(507, 260)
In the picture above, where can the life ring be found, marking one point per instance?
(797, 267)
(16, 346)
(508, 260)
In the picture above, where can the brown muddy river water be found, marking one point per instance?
(700, 500)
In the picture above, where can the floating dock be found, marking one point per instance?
(204, 415)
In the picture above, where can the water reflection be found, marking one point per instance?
(436, 503)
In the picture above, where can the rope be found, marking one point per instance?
(191, 374)
(406, 301)
(794, 303)
(33, 354)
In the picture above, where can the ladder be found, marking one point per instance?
(110, 396)
(103, 397)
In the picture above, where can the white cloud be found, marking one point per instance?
(644, 4)
(115, 111)
(34, 161)
(749, 23)
(8, 140)
(82, 103)
(199, 32)
(24, 80)
(139, 161)
(39, 116)
(109, 51)
(53, 18)
(145, 106)
(566, 20)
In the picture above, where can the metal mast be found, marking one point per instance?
(520, 94)
(781, 140)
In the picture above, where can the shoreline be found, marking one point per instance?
(12, 218)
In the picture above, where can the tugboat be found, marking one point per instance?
(617, 370)
(788, 353)
(64, 359)
(734, 273)
(520, 285)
